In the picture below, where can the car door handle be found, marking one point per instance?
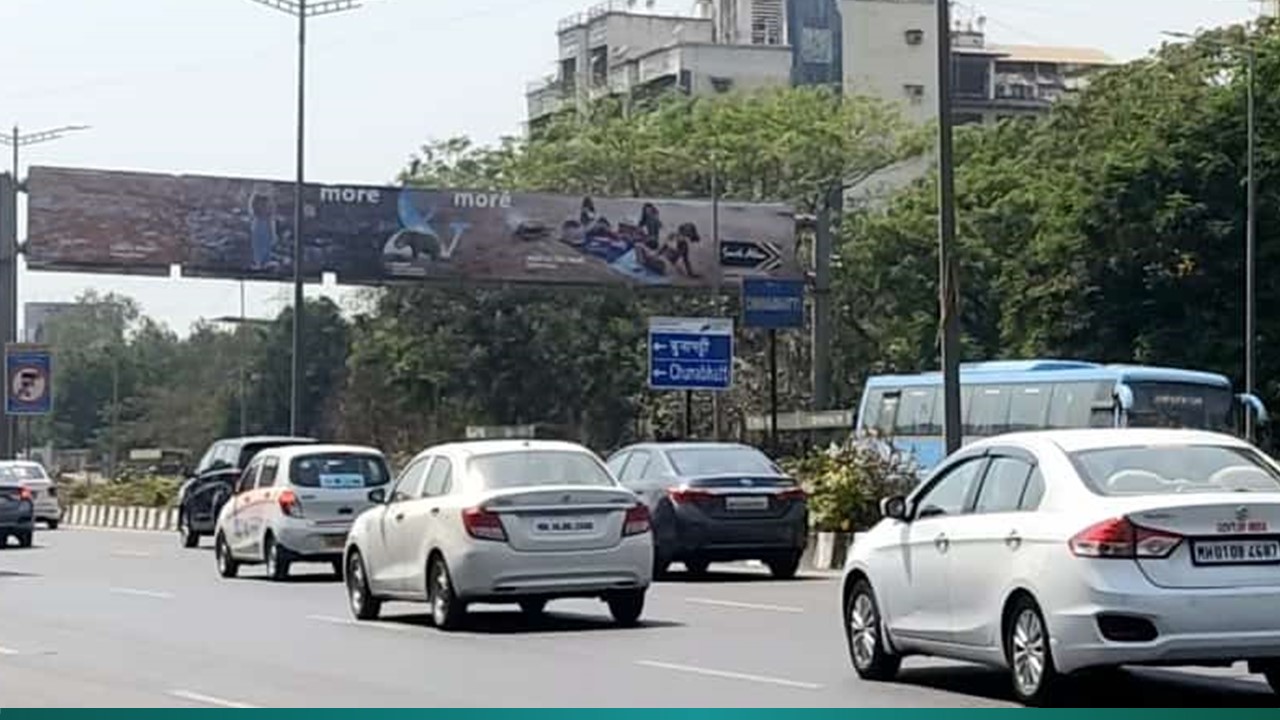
(1014, 540)
(942, 543)
(399, 517)
(435, 511)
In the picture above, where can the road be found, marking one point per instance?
(92, 618)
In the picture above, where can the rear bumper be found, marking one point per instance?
(48, 509)
(19, 521)
(693, 534)
(311, 542)
(494, 572)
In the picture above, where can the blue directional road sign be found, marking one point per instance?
(690, 353)
(772, 304)
(29, 373)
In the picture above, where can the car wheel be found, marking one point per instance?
(51, 524)
(864, 632)
(364, 606)
(533, 608)
(4, 541)
(661, 564)
(227, 565)
(447, 611)
(626, 607)
(276, 559)
(785, 567)
(24, 539)
(1030, 658)
(696, 566)
(190, 538)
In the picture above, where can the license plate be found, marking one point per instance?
(1236, 552)
(335, 541)
(563, 526)
(743, 503)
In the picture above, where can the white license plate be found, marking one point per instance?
(335, 541)
(563, 526)
(746, 502)
(1235, 552)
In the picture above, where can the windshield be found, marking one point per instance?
(339, 471)
(533, 468)
(1181, 405)
(1174, 469)
(721, 461)
(24, 472)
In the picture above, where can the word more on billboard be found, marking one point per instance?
(145, 223)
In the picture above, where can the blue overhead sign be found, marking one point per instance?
(690, 353)
(772, 304)
(29, 374)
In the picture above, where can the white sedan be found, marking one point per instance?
(520, 522)
(1056, 552)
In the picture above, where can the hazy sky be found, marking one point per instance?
(207, 86)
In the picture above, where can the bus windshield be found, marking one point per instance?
(1182, 405)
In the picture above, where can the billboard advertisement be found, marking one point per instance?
(125, 222)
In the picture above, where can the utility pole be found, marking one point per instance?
(301, 9)
(1250, 252)
(823, 246)
(947, 296)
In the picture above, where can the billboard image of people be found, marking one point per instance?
(236, 228)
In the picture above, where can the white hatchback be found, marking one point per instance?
(1056, 552)
(44, 491)
(296, 504)
(520, 522)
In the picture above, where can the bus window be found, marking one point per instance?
(1181, 405)
(989, 410)
(1072, 405)
(880, 412)
(1029, 407)
(916, 414)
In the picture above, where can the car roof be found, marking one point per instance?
(258, 439)
(689, 445)
(288, 452)
(493, 447)
(1078, 440)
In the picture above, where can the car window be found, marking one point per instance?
(1174, 470)
(223, 457)
(1003, 485)
(1034, 492)
(635, 468)
(206, 461)
(721, 461)
(247, 478)
(617, 463)
(950, 494)
(410, 481)
(439, 479)
(267, 475)
(534, 468)
(338, 471)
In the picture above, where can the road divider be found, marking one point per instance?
(127, 518)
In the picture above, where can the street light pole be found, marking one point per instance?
(948, 311)
(302, 9)
(1250, 301)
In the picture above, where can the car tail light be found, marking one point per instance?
(483, 524)
(689, 495)
(1120, 538)
(793, 494)
(637, 522)
(289, 504)
(24, 493)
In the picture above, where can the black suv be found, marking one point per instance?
(202, 496)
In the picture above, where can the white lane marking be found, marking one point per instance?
(7, 651)
(744, 605)
(348, 622)
(209, 700)
(154, 594)
(729, 675)
(130, 554)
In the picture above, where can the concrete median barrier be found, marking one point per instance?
(124, 518)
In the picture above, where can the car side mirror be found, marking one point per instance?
(894, 508)
(378, 495)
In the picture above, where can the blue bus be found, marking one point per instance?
(1012, 396)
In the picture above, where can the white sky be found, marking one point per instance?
(208, 86)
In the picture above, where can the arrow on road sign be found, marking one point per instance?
(750, 255)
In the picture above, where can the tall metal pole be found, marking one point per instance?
(773, 391)
(295, 375)
(240, 329)
(948, 311)
(717, 407)
(822, 330)
(1250, 313)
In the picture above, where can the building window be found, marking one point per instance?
(722, 84)
(569, 72)
(599, 65)
(915, 93)
(915, 36)
(972, 77)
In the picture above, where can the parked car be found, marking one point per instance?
(17, 512)
(716, 502)
(201, 497)
(1057, 552)
(295, 504)
(44, 492)
(522, 522)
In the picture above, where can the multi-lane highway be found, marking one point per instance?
(129, 619)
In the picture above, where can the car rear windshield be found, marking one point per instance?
(1175, 469)
(339, 471)
(721, 461)
(533, 468)
(24, 472)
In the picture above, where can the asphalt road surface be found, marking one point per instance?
(94, 618)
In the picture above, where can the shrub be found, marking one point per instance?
(159, 492)
(846, 483)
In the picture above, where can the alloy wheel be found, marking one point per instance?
(864, 628)
(1028, 652)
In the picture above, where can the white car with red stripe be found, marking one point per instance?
(520, 522)
(1056, 552)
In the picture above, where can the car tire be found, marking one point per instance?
(363, 603)
(227, 565)
(51, 524)
(533, 608)
(661, 564)
(447, 611)
(697, 566)
(25, 539)
(865, 635)
(4, 541)
(1027, 648)
(276, 557)
(626, 607)
(784, 567)
(190, 538)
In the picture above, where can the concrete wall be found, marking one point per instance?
(878, 61)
